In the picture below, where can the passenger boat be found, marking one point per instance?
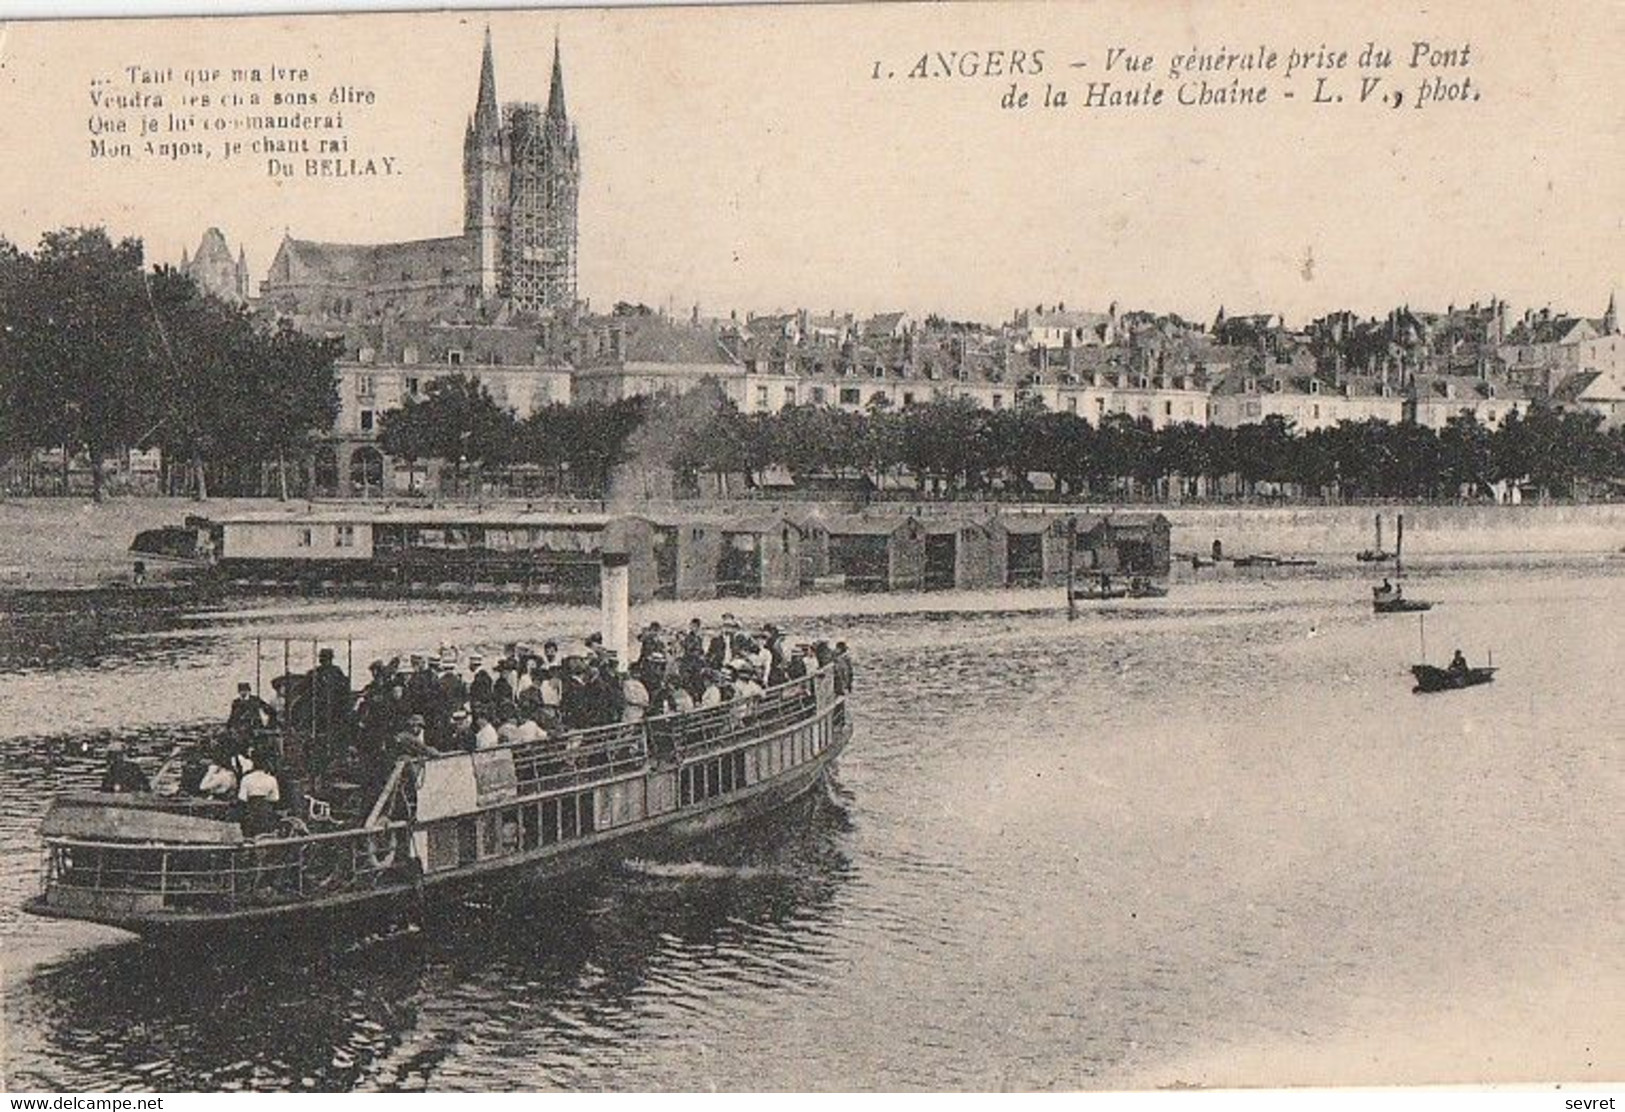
(166, 863)
(444, 825)
(1430, 679)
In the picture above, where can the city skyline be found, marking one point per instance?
(756, 186)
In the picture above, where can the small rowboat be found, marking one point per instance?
(1093, 590)
(1430, 679)
(1397, 603)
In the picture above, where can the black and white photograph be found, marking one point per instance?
(862, 547)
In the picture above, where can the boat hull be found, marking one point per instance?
(558, 867)
(1430, 679)
(1400, 606)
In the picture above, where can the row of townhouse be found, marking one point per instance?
(654, 356)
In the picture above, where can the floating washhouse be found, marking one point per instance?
(1030, 549)
(1123, 544)
(959, 555)
(555, 553)
(753, 556)
(877, 553)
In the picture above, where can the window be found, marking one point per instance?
(849, 395)
(761, 397)
(789, 395)
(1072, 405)
(1167, 409)
(998, 401)
(412, 385)
(818, 396)
(1100, 405)
(908, 398)
(455, 357)
(366, 386)
(305, 539)
(367, 416)
(344, 536)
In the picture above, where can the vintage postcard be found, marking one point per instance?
(881, 546)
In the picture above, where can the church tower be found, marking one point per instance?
(485, 180)
(1610, 318)
(543, 191)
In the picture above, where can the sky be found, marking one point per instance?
(747, 157)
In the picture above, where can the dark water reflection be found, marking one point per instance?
(1067, 854)
(561, 985)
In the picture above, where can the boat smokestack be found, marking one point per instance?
(615, 591)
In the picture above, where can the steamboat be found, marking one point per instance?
(164, 863)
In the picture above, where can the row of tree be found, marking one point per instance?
(956, 447)
(99, 355)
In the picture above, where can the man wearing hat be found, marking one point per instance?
(462, 731)
(503, 693)
(249, 712)
(479, 681)
(453, 693)
(413, 741)
(725, 645)
(843, 669)
(123, 774)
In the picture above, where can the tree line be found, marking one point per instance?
(956, 448)
(99, 355)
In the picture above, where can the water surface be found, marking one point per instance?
(1207, 839)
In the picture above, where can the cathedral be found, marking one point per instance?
(215, 271)
(517, 250)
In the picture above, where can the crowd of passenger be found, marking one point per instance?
(425, 705)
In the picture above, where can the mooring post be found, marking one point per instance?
(1071, 546)
(615, 593)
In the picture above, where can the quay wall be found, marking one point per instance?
(61, 542)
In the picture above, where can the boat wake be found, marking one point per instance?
(698, 870)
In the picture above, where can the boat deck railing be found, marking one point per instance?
(583, 757)
(178, 878)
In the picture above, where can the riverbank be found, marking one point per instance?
(70, 543)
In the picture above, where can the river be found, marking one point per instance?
(1208, 839)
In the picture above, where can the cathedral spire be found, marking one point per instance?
(555, 95)
(487, 120)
